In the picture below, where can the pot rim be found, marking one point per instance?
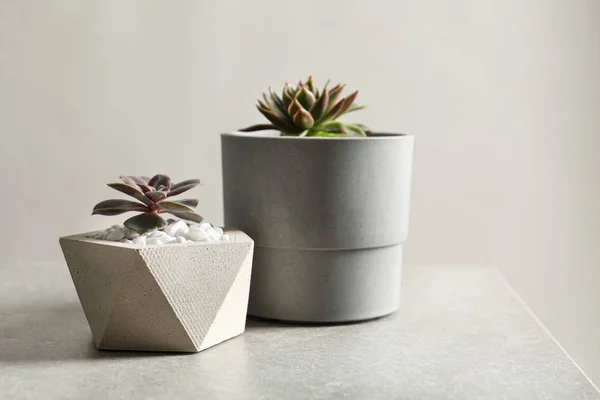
(276, 136)
(237, 236)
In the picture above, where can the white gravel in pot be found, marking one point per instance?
(177, 231)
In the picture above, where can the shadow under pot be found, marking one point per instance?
(328, 216)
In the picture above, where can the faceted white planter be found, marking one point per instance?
(174, 297)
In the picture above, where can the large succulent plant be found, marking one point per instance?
(303, 110)
(154, 197)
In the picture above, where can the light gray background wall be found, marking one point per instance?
(504, 98)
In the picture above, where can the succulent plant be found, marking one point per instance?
(303, 110)
(154, 197)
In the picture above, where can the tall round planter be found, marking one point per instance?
(328, 217)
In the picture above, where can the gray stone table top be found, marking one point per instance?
(461, 334)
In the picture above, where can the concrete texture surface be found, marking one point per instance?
(318, 193)
(175, 297)
(328, 216)
(460, 334)
(325, 286)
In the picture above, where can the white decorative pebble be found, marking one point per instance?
(177, 228)
(212, 234)
(116, 235)
(177, 231)
(168, 240)
(153, 241)
(157, 234)
(205, 225)
(197, 235)
(141, 240)
(130, 233)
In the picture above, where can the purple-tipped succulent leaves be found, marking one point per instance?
(154, 197)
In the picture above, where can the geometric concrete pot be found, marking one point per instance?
(328, 216)
(173, 297)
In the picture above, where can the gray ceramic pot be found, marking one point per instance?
(328, 217)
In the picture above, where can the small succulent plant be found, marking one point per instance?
(303, 110)
(154, 197)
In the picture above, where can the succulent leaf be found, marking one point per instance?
(145, 188)
(259, 127)
(276, 120)
(334, 93)
(160, 180)
(333, 127)
(189, 202)
(128, 180)
(287, 94)
(321, 104)
(183, 186)
(327, 134)
(131, 191)
(263, 105)
(190, 216)
(118, 206)
(134, 180)
(272, 107)
(365, 129)
(355, 107)
(294, 107)
(347, 102)
(172, 206)
(155, 195)
(303, 119)
(310, 84)
(306, 98)
(333, 112)
(277, 101)
(144, 223)
(355, 130)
